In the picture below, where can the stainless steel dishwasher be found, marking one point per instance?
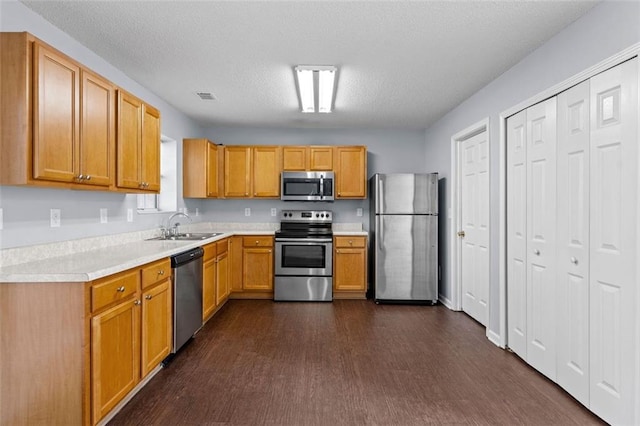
(187, 295)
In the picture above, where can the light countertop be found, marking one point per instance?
(89, 265)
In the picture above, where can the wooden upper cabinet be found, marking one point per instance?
(58, 118)
(294, 158)
(202, 168)
(150, 161)
(138, 152)
(237, 171)
(56, 135)
(303, 158)
(320, 158)
(129, 140)
(267, 166)
(97, 131)
(350, 167)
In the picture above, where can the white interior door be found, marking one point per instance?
(573, 242)
(517, 234)
(614, 239)
(541, 239)
(474, 213)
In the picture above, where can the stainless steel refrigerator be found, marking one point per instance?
(404, 237)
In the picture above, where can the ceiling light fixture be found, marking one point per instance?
(316, 82)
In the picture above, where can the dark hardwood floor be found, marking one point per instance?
(347, 363)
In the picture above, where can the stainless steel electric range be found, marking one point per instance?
(304, 256)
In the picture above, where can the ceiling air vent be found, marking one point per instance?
(206, 96)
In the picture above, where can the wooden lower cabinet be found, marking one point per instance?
(157, 336)
(350, 266)
(115, 355)
(257, 263)
(215, 276)
(222, 278)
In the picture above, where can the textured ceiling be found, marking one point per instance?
(401, 64)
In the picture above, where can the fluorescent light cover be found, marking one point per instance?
(305, 85)
(315, 82)
(325, 89)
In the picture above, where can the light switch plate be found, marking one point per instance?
(359, 211)
(1, 219)
(54, 218)
(129, 215)
(274, 212)
(247, 211)
(197, 211)
(103, 215)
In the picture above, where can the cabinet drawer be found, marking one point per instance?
(258, 241)
(351, 242)
(222, 246)
(113, 288)
(209, 252)
(155, 272)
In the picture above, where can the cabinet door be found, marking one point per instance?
(212, 170)
(56, 116)
(237, 171)
(222, 288)
(97, 132)
(150, 149)
(156, 326)
(267, 165)
(208, 288)
(128, 141)
(235, 264)
(294, 158)
(257, 269)
(320, 158)
(222, 274)
(115, 355)
(351, 172)
(573, 242)
(350, 266)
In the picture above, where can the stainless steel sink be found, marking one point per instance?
(191, 236)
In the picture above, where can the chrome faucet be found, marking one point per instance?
(174, 231)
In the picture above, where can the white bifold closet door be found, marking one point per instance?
(613, 271)
(573, 242)
(541, 237)
(531, 194)
(517, 234)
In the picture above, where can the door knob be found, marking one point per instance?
(461, 234)
(536, 252)
(574, 260)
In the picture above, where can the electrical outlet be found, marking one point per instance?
(55, 218)
(103, 215)
(129, 215)
(274, 212)
(185, 210)
(247, 211)
(359, 211)
(1, 219)
(197, 211)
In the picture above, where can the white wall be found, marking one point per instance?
(389, 151)
(26, 210)
(605, 30)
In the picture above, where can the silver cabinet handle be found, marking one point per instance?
(161, 272)
(148, 297)
(120, 289)
(137, 302)
(80, 177)
(574, 260)
(536, 252)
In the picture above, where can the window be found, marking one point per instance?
(167, 200)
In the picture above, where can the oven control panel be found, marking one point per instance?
(323, 216)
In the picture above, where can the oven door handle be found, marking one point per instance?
(303, 240)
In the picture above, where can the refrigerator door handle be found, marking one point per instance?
(381, 229)
(380, 205)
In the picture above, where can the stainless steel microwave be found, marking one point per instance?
(307, 186)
